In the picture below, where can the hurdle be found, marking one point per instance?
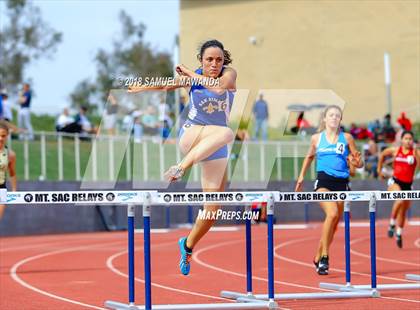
(311, 197)
(197, 198)
(348, 287)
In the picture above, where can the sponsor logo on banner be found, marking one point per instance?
(354, 196)
(253, 196)
(110, 196)
(127, 196)
(239, 197)
(343, 196)
(13, 197)
(167, 198)
(28, 198)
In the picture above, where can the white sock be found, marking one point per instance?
(399, 231)
(392, 222)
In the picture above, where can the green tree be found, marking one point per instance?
(130, 56)
(24, 37)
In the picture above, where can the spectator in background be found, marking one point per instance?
(375, 128)
(6, 107)
(81, 124)
(260, 111)
(404, 122)
(24, 115)
(149, 121)
(83, 121)
(387, 129)
(364, 133)
(137, 125)
(110, 117)
(354, 130)
(63, 120)
(301, 124)
(371, 158)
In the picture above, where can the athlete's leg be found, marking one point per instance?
(405, 205)
(202, 142)
(2, 208)
(331, 218)
(213, 179)
(395, 210)
(340, 207)
(397, 204)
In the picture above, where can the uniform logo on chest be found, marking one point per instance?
(211, 105)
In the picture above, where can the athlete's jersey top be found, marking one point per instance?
(405, 165)
(332, 158)
(207, 107)
(4, 164)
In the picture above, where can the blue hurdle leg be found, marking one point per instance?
(248, 254)
(147, 268)
(372, 217)
(347, 240)
(130, 215)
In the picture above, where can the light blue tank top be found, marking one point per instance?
(207, 107)
(332, 158)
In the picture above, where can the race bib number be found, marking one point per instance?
(340, 148)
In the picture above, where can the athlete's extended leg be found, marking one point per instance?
(213, 179)
(395, 210)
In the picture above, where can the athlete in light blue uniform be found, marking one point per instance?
(335, 151)
(331, 163)
(209, 108)
(205, 135)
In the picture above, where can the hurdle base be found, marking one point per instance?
(379, 287)
(296, 296)
(236, 295)
(413, 277)
(320, 295)
(246, 304)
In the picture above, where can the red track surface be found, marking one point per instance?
(81, 271)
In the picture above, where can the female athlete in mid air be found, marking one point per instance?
(205, 134)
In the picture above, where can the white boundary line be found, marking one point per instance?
(110, 265)
(15, 276)
(242, 275)
(338, 270)
(381, 258)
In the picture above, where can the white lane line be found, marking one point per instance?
(389, 260)
(242, 275)
(15, 276)
(110, 265)
(298, 262)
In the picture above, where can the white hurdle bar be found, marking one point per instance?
(412, 277)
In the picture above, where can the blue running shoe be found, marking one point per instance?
(184, 263)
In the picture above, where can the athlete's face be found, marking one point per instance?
(333, 118)
(407, 141)
(212, 62)
(3, 137)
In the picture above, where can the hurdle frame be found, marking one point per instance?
(348, 287)
(302, 296)
(243, 304)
